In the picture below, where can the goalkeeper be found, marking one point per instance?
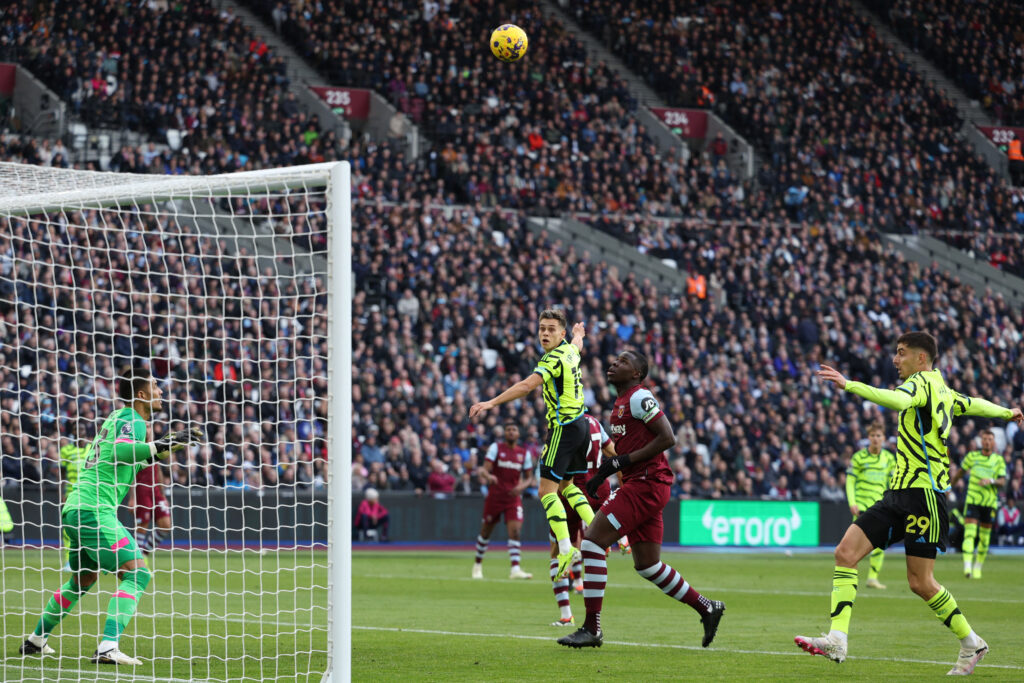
(97, 540)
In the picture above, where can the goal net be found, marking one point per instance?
(234, 292)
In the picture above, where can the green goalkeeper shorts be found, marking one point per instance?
(97, 541)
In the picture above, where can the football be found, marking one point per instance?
(509, 43)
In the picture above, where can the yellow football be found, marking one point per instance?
(509, 43)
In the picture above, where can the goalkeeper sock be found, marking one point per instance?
(125, 601)
(970, 531)
(875, 562)
(984, 535)
(844, 592)
(944, 606)
(555, 512)
(59, 606)
(578, 501)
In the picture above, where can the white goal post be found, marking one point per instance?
(253, 580)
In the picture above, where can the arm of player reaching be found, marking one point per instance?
(517, 390)
(663, 440)
(901, 398)
(979, 407)
(579, 331)
(126, 450)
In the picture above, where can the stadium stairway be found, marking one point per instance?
(600, 246)
(742, 157)
(926, 250)
(970, 110)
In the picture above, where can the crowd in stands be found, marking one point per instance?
(1000, 250)
(842, 124)
(979, 46)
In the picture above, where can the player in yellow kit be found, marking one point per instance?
(986, 472)
(867, 478)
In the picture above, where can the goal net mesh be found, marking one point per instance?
(218, 286)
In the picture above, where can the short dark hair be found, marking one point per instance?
(983, 432)
(555, 314)
(638, 361)
(132, 381)
(920, 340)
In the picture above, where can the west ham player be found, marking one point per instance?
(600, 444)
(507, 471)
(642, 434)
(151, 505)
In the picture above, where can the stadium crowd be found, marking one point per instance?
(977, 44)
(449, 317)
(841, 122)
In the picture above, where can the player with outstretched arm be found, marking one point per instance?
(642, 434)
(98, 541)
(913, 510)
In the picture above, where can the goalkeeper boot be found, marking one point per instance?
(710, 621)
(826, 646)
(968, 659)
(518, 573)
(35, 645)
(114, 656)
(565, 562)
(581, 637)
(478, 570)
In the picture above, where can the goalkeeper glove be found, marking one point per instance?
(175, 441)
(609, 467)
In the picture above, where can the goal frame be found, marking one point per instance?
(335, 177)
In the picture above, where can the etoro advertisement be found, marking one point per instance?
(752, 523)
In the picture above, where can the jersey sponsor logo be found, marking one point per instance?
(649, 405)
(617, 430)
(510, 464)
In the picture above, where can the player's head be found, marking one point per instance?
(551, 328)
(876, 437)
(628, 368)
(915, 351)
(138, 389)
(988, 441)
(511, 432)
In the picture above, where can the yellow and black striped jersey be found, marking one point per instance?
(563, 383)
(927, 408)
(868, 476)
(980, 466)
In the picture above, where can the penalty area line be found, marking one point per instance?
(664, 645)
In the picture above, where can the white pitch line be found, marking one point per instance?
(706, 589)
(662, 645)
(50, 671)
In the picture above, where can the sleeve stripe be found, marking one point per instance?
(125, 441)
(908, 393)
(541, 370)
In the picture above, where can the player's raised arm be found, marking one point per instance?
(518, 390)
(979, 407)
(579, 331)
(901, 398)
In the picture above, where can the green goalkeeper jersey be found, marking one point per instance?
(868, 476)
(980, 466)
(115, 456)
(927, 408)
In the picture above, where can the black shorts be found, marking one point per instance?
(565, 451)
(915, 516)
(983, 513)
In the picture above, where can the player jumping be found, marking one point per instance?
(507, 471)
(565, 451)
(98, 541)
(987, 471)
(914, 508)
(642, 434)
(600, 443)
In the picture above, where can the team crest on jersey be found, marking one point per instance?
(622, 411)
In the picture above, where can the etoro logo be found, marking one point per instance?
(748, 523)
(751, 530)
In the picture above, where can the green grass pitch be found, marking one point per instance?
(418, 616)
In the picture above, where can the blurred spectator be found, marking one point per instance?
(371, 519)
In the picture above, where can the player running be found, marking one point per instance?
(867, 477)
(568, 440)
(151, 506)
(914, 508)
(98, 541)
(600, 444)
(987, 471)
(642, 434)
(507, 471)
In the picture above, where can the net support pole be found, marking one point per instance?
(339, 424)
